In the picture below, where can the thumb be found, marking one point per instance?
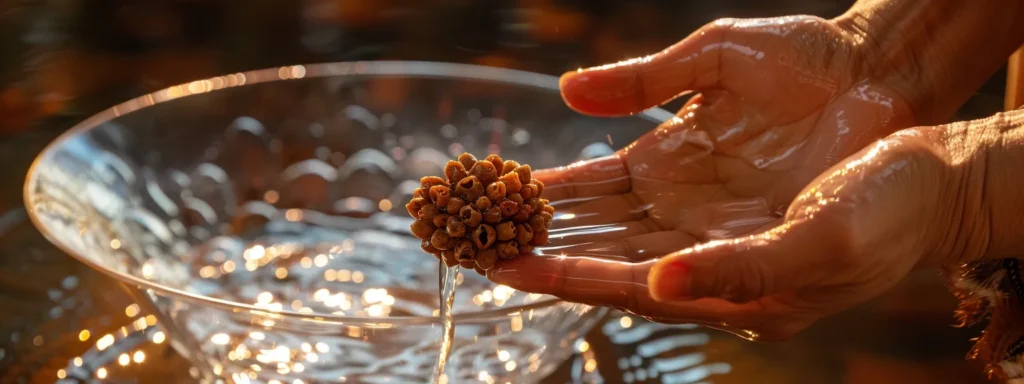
(744, 269)
(635, 85)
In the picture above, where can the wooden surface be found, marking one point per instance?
(1015, 81)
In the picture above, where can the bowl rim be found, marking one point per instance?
(418, 69)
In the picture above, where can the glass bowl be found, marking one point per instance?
(261, 215)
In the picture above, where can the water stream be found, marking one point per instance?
(446, 295)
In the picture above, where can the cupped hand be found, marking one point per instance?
(850, 235)
(778, 102)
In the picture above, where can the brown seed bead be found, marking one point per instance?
(508, 208)
(549, 209)
(509, 166)
(425, 245)
(455, 171)
(507, 249)
(420, 192)
(448, 256)
(455, 227)
(506, 231)
(525, 249)
(496, 191)
(430, 181)
(441, 240)
(485, 171)
(528, 191)
(422, 228)
(483, 236)
(540, 186)
(465, 250)
(516, 198)
(428, 212)
(440, 195)
(455, 204)
(467, 160)
(497, 161)
(525, 173)
(538, 224)
(414, 206)
(540, 238)
(486, 259)
(523, 214)
(470, 188)
(471, 216)
(492, 216)
(524, 233)
(441, 220)
(536, 204)
(547, 216)
(512, 184)
(468, 264)
(483, 203)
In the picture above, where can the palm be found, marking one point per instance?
(780, 101)
(737, 153)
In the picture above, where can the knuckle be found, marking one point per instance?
(748, 279)
(836, 239)
(637, 299)
(831, 225)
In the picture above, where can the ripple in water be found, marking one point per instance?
(333, 267)
(316, 269)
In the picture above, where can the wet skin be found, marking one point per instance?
(779, 101)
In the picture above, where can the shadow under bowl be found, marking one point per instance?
(261, 215)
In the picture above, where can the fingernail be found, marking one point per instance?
(601, 91)
(670, 281)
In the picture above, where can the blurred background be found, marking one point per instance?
(63, 60)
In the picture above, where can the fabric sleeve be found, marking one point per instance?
(991, 291)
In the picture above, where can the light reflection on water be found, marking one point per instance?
(647, 352)
(659, 353)
(297, 216)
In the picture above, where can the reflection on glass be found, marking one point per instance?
(260, 221)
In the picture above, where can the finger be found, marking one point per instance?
(634, 248)
(583, 180)
(615, 284)
(763, 320)
(635, 85)
(563, 237)
(578, 279)
(742, 270)
(600, 211)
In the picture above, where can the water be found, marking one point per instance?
(318, 269)
(446, 295)
(364, 269)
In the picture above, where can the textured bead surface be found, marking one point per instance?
(481, 212)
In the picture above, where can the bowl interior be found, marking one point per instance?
(285, 188)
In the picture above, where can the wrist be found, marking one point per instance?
(936, 54)
(980, 214)
(1003, 197)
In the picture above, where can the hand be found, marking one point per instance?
(780, 101)
(851, 234)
